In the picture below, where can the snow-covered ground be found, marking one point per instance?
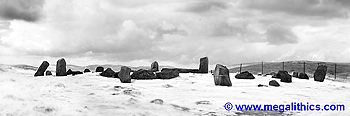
(189, 94)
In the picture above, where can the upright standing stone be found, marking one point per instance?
(222, 76)
(61, 68)
(203, 65)
(124, 74)
(320, 73)
(154, 66)
(41, 70)
(99, 69)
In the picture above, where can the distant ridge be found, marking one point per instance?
(4, 67)
(343, 69)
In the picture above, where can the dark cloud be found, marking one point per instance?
(308, 8)
(205, 6)
(278, 35)
(28, 10)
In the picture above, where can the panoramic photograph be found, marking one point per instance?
(174, 57)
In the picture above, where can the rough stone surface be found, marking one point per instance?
(61, 68)
(320, 73)
(76, 73)
(108, 73)
(48, 73)
(41, 70)
(99, 69)
(284, 76)
(303, 76)
(245, 75)
(274, 83)
(124, 74)
(167, 74)
(295, 74)
(182, 70)
(69, 72)
(155, 66)
(116, 75)
(86, 70)
(157, 101)
(143, 74)
(222, 76)
(274, 75)
(203, 65)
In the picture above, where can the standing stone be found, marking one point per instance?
(124, 74)
(222, 76)
(154, 66)
(245, 75)
(108, 73)
(61, 68)
(295, 74)
(303, 76)
(99, 69)
(41, 70)
(86, 70)
(284, 76)
(320, 73)
(143, 74)
(48, 73)
(203, 65)
(274, 83)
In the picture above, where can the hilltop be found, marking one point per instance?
(343, 69)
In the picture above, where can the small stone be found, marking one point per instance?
(99, 69)
(48, 73)
(167, 74)
(143, 74)
(274, 83)
(86, 70)
(157, 101)
(245, 75)
(108, 73)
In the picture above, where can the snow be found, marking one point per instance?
(189, 94)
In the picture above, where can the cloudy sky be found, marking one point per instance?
(173, 32)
